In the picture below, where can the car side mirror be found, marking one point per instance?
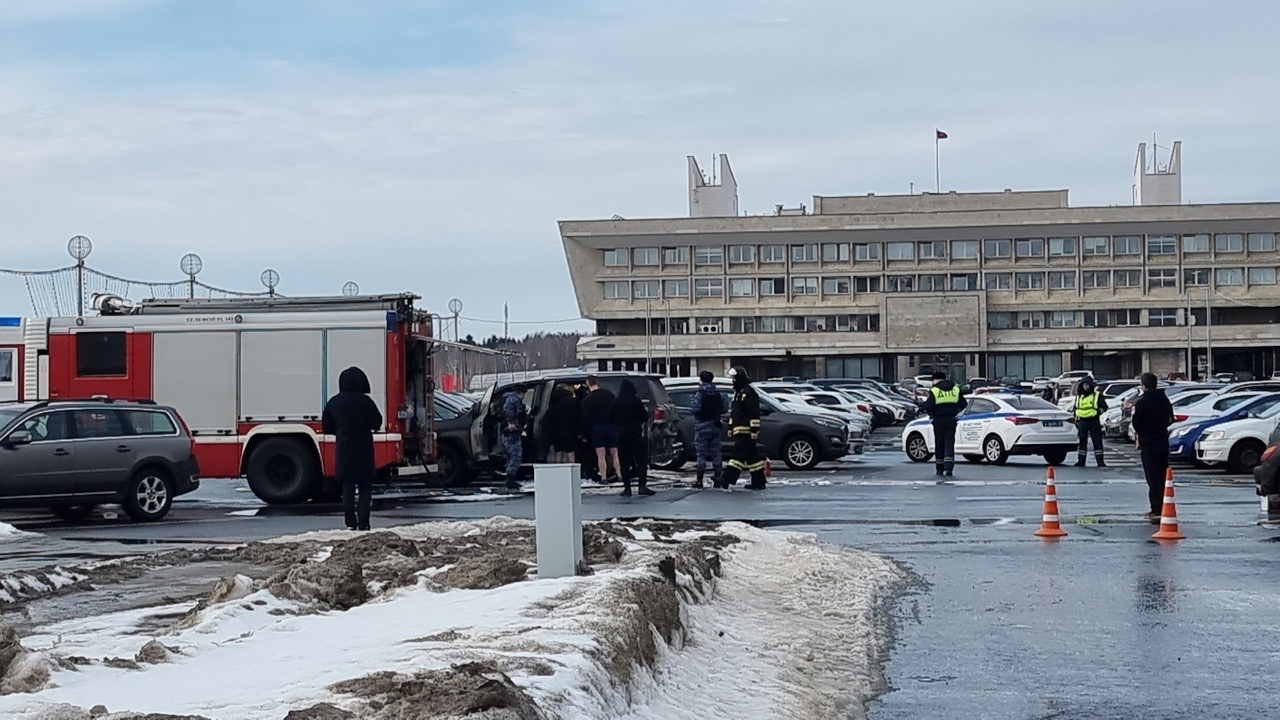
(18, 437)
(475, 410)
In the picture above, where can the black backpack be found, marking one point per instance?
(712, 407)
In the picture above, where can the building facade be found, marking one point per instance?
(974, 284)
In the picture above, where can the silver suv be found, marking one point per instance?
(73, 455)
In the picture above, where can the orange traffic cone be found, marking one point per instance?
(1169, 513)
(1049, 527)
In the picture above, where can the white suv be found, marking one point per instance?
(1239, 444)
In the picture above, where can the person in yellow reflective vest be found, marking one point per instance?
(1089, 406)
(944, 403)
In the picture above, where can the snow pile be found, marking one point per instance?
(32, 584)
(9, 532)
(679, 620)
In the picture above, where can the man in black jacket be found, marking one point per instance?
(352, 417)
(1152, 416)
(630, 416)
(944, 403)
(744, 423)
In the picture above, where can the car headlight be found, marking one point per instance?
(1214, 435)
(833, 424)
(1180, 432)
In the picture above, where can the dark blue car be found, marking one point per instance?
(1182, 439)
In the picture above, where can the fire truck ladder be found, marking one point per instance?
(111, 305)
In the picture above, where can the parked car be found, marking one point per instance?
(1266, 477)
(1071, 377)
(852, 417)
(1184, 434)
(878, 413)
(73, 455)
(995, 426)
(801, 439)
(1238, 444)
(486, 447)
(1041, 383)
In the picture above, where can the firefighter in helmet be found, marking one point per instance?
(744, 427)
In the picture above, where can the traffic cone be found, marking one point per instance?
(1169, 513)
(1049, 526)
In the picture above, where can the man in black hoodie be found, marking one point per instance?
(944, 403)
(1152, 416)
(352, 417)
(630, 416)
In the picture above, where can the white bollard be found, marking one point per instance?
(557, 512)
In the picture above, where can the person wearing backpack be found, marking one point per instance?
(708, 407)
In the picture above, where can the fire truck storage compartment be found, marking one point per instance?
(365, 348)
(196, 373)
(281, 375)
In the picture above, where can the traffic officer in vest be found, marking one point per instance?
(744, 424)
(943, 405)
(1089, 406)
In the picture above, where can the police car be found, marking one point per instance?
(995, 426)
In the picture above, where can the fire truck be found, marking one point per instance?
(249, 376)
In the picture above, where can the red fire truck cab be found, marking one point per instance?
(251, 377)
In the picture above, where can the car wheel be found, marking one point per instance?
(973, 458)
(74, 513)
(282, 471)
(1245, 456)
(917, 448)
(993, 450)
(800, 452)
(454, 470)
(1057, 457)
(149, 496)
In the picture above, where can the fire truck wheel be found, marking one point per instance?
(282, 471)
(150, 495)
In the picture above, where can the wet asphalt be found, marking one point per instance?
(1105, 623)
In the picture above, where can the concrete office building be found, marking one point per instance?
(975, 284)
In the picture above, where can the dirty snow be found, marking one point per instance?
(793, 629)
(9, 532)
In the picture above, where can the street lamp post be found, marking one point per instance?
(79, 247)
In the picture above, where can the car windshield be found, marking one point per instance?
(1230, 401)
(10, 413)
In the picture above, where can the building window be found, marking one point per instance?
(964, 249)
(617, 290)
(773, 324)
(741, 254)
(1030, 320)
(869, 251)
(675, 256)
(1167, 278)
(1128, 278)
(676, 288)
(773, 286)
(867, 284)
(1195, 243)
(1096, 278)
(1127, 318)
(773, 253)
(708, 255)
(1262, 242)
(933, 283)
(1262, 276)
(936, 250)
(1095, 245)
(804, 286)
(1096, 318)
(902, 251)
(1062, 247)
(1062, 319)
(1162, 317)
(804, 253)
(1128, 245)
(997, 248)
(1030, 280)
(1000, 320)
(645, 256)
(1031, 248)
(900, 283)
(1064, 280)
(999, 281)
(968, 281)
(1229, 243)
(835, 252)
(742, 287)
(864, 323)
(708, 287)
(615, 258)
(1162, 245)
(646, 289)
(1196, 277)
(742, 324)
(1229, 276)
(102, 354)
(835, 286)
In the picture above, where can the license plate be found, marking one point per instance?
(1052, 423)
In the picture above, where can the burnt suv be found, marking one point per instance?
(72, 456)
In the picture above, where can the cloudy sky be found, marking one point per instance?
(432, 145)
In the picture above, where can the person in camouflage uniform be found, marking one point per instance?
(708, 432)
(514, 417)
